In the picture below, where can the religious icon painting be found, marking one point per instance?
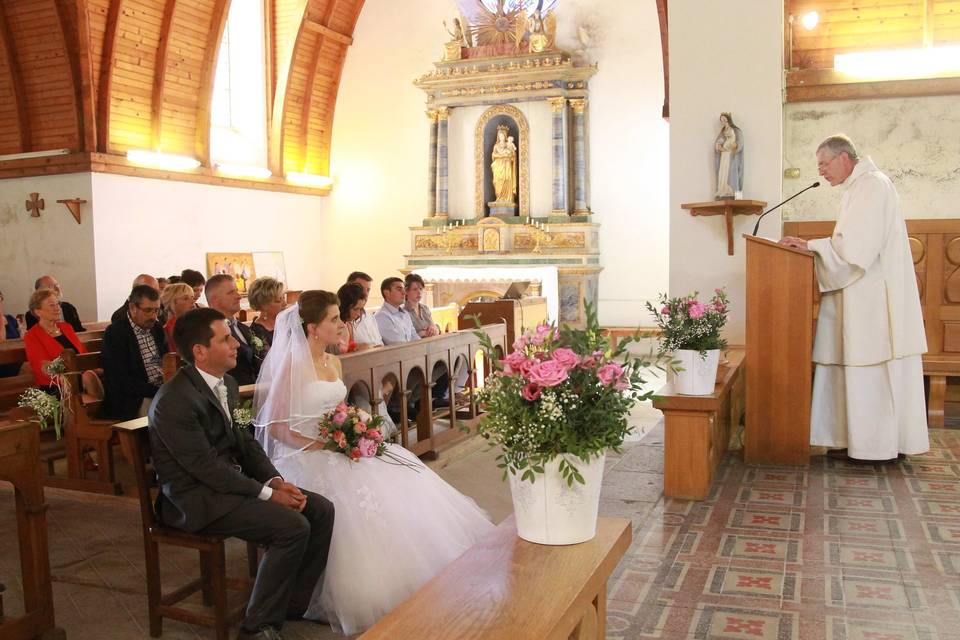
(238, 265)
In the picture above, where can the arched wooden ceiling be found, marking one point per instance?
(107, 76)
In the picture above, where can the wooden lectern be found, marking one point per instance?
(780, 296)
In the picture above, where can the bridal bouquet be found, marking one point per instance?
(352, 432)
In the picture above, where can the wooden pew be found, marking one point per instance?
(697, 430)
(505, 588)
(13, 352)
(19, 448)
(82, 429)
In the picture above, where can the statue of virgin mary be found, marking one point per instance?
(728, 152)
(503, 166)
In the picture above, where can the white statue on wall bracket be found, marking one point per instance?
(728, 159)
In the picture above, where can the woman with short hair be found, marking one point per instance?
(176, 299)
(268, 296)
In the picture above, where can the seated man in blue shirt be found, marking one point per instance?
(394, 322)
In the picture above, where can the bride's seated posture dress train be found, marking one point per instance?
(396, 525)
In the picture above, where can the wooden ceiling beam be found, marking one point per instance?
(665, 50)
(16, 83)
(325, 31)
(108, 62)
(218, 22)
(67, 18)
(160, 75)
(88, 98)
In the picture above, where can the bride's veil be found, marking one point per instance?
(282, 387)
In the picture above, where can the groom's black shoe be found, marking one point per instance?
(265, 632)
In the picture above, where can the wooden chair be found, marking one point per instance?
(212, 583)
(83, 430)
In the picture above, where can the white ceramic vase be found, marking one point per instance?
(699, 374)
(550, 512)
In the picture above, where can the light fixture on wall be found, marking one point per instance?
(310, 180)
(34, 154)
(243, 171)
(159, 160)
(809, 20)
(900, 63)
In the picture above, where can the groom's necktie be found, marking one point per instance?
(236, 332)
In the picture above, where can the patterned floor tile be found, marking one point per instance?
(769, 476)
(862, 527)
(938, 508)
(941, 533)
(859, 483)
(737, 581)
(853, 629)
(751, 547)
(720, 622)
(865, 592)
(754, 519)
(771, 496)
(878, 558)
(859, 503)
(930, 469)
(945, 487)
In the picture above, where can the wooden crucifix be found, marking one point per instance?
(35, 205)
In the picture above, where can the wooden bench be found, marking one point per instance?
(217, 612)
(13, 352)
(505, 588)
(697, 430)
(19, 443)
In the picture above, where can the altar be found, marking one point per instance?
(508, 175)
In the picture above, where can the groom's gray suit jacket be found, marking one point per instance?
(206, 466)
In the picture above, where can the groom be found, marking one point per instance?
(215, 478)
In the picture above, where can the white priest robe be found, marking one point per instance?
(868, 386)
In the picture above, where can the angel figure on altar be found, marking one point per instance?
(504, 165)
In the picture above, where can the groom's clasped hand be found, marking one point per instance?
(287, 495)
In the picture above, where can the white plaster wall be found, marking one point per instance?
(52, 244)
(912, 140)
(381, 135)
(162, 227)
(740, 72)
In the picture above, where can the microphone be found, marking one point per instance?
(757, 226)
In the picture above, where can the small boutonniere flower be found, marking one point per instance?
(259, 346)
(243, 414)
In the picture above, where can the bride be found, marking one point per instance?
(395, 526)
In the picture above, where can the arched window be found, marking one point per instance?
(238, 131)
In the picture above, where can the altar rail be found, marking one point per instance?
(416, 366)
(935, 248)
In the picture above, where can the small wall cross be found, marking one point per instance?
(35, 205)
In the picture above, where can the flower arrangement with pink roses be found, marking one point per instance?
(687, 323)
(560, 392)
(352, 432)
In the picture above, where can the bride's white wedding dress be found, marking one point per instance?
(394, 529)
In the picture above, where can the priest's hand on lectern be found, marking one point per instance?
(796, 243)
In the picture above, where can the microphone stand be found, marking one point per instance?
(757, 226)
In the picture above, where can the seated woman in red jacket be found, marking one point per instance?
(49, 337)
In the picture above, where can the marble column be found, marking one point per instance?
(432, 165)
(559, 108)
(443, 117)
(581, 206)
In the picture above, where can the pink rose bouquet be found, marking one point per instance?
(560, 392)
(352, 432)
(688, 323)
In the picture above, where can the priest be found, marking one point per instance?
(868, 386)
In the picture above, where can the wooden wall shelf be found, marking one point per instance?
(727, 209)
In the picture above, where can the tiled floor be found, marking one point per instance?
(833, 551)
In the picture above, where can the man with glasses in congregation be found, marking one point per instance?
(132, 348)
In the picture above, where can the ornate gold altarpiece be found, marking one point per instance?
(493, 236)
